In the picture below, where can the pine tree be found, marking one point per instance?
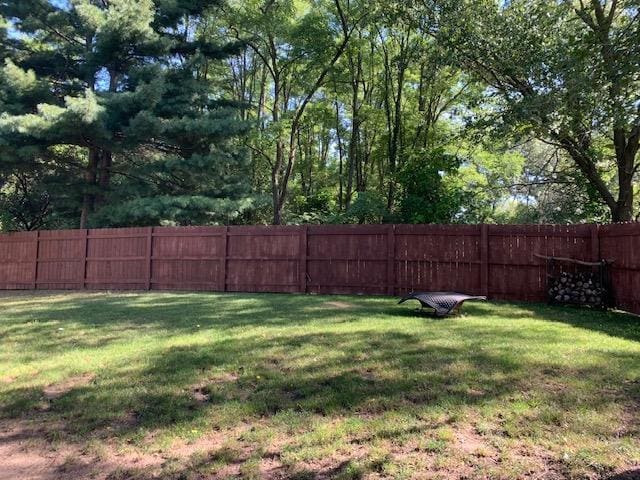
(113, 98)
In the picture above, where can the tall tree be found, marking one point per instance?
(567, 72)
(298, 47)
(123, 82)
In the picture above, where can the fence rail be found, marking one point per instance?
(495, 260)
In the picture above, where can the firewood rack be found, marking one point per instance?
(578, 283)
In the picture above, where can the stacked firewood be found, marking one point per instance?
(581, 288)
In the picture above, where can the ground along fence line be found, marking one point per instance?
(495, 260)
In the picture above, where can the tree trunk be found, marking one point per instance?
(277, 214)
(90, 176)
(353, 158)
(354, 142)
(626, 147)
(626, 140)
(275, 183)
(394, 146)
(105, 157)
(276, 167)
(104, 175)
(623, 210)
(261, 96)
(281, 170)
(340, 173)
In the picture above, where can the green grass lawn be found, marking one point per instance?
(181, 386)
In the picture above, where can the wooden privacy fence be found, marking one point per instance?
(621, 243)
(494, 260)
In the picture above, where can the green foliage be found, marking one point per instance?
(188, 112)
(123, 82)
(312, 208)
(564, 72)
(199, 190)
(367, 207)
(24, 205)
(431, 192)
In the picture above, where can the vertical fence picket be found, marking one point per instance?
(224, 258)
(34, 284)
(484, 260)
(302, 262)
(595, 243)
(391, 260)
(84, 259)
(149, 259)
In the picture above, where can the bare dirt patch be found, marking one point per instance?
(271, 468)
(468, 441)
(338, 305)
(25, 455)
(226, 377)
(57, 390)
(201, 394)
(128, 421)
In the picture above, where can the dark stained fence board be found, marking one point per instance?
(263, 259)
(447, 230)
(620, 229)
(391, 259)
(187, 258)
(182, 272)
(498, 260)
(347, 229)
(515, 271)
(304, 255)
(61, 259)
(116, 259)
(18, 253)
(348, 259)
(620, 243)
(484, 260)
(437, 257)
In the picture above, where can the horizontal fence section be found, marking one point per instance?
(516, 270)
(501, 261)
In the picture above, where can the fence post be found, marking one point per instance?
(84, 259)
(225, 250)
(391, 259)
(484, 260)
(595, 242)
(149, 257)
(302, 260)
(34, 284)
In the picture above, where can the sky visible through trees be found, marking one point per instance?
(177, 112)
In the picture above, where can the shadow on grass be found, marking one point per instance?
(266, 378)
(137, 314)
(633, 474)
(612, 323)
(246, 375)
(112, 318)
(363, 372)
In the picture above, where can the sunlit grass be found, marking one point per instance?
(346, 387)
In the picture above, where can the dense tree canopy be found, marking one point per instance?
(285, 111)
(111, 102)
(566, 72)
